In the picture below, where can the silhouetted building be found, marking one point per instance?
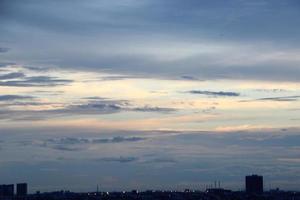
(7, 190)
(21, 189)
(254, 184)
(1, 190)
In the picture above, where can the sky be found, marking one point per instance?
(149, 94)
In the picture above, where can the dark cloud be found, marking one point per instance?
(99, 105)
(286, 98)
(66, 148)
(74, 140)
(14, 97)
(79, 143)
(95, 98)
(36, 68)
(154, 109)
(119, 139)
(283, 98)
(95, 106)
(187, 77)
(120, 159)
(36, 81)
(151, 16)
(67, 141)
(242, 41)
(12, 75)
(211, 93)
(3, 50)
(103, 105)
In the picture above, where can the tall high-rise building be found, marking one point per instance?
(7, 190)
(254, 184)
(1, 190)
(21, 189)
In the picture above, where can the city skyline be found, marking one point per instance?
(253, 185)
(149, 93)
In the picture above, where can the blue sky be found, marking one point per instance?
(149, 94)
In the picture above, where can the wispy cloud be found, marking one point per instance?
(14, 97)
(12, 75)
(74, 140)
(282, 98)
(285, 98)
(4, 49)
(93, 106)
(80, 143)
(36, 81)
(212, 93)
(191, 78)
(120, 159)
(154, 109)
(119, 139)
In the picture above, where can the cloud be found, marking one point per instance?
(66, 148)
(12, 75)
(211, 93)
(120, 159)
(119, 139)
(80, 143)
(73, 144)
(94, 106)
(285, 98)
(14, 97)
(37, 68)
(117, 105)
(95, 98)
(3, 50)
(187, 77)
(240, 42)
(74, 140)
(36, 81)
(104, 106)
(67, 141)
(154, 109)
(282, 98)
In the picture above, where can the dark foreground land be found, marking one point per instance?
(217, 194)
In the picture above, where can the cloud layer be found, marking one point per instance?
(159, 39)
